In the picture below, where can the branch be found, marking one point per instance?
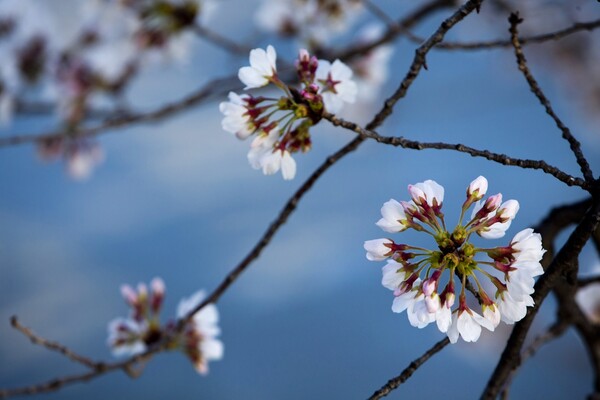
(54, 346)
(420, 62)
(215, 86)
(502, 43)
(408, 371)
(535, 88)
(221, 41)
(503, 159)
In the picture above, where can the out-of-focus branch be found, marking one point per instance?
(54, 346)
(408, 371)
(213, 87)
(220, 40)
(503, 43)
(393, 31)
(496, 157)
(515, 20)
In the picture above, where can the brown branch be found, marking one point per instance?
(54, 346)
(515, 20)
(127, 366)
(503, 43)
(408, 371)
(503, 159)
(419, 60)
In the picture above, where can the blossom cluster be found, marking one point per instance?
(90, 59)
(416, 275)
(314, 21)
(281, 125)
(142, 329)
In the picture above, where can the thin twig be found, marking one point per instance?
(503, 43)
(419, 60)
(393, 31)
(515, 20)
(213, 87)
(50, 345)
(496, 157)
(408, 371)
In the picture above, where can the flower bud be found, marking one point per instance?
(508, 210)
(378, 249)
(477, 189)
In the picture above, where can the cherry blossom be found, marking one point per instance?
(281, 126)
(262, 68)
(336, 84)
(197, 338)
(414, 274)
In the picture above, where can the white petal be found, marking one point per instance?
(288, 166)
(252, 78)
(393, 276)
(443, 318)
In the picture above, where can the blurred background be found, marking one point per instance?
(309, 319)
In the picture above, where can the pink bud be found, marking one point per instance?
(158, 294)
(428, 287)
(417, 194)
(491, 204)
(129, 294)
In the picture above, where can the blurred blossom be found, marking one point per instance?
(142, 329)
(415, 274)
(371, 68)
(199, 338)
(313, 21)
(80, 155)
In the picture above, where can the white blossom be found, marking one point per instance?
(429, 191)
(236, 120)
(377, 249)
(200, 335)
(262, 68)
(393, 217)
(336, 84)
